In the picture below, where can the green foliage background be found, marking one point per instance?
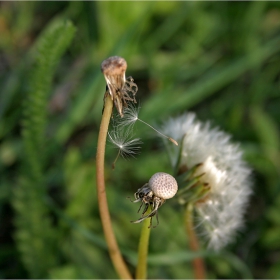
(218, 59)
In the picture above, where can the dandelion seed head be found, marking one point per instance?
(220, 214)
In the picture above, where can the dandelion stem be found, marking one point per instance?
(113, 248)
(198, 264)
(141, 269)
(169, 138)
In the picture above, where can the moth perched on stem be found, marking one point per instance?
(118, 85)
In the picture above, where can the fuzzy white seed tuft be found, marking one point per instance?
(130, 116)
(128, 147)
(220, 214)
(163, 185)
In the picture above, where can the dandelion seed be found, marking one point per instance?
(119, 87)
(128, 147)
(130, 116)
(220, 209)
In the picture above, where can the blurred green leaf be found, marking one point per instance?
(268, 133)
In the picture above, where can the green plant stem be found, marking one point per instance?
(198, 264)
(141, 269)
(116, 257)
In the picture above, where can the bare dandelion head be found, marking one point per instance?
(119, 87)
(161, 186)
(212, 176)
(127, 145)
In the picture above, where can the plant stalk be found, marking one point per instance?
(141, 269)
(114, 252)
(198, 264)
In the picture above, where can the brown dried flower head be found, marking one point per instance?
(119, 87)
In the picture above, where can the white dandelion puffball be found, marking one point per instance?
(220, 215)
(163, 185)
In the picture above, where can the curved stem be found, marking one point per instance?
(113, 248)
(198, 264)
(141, 269)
